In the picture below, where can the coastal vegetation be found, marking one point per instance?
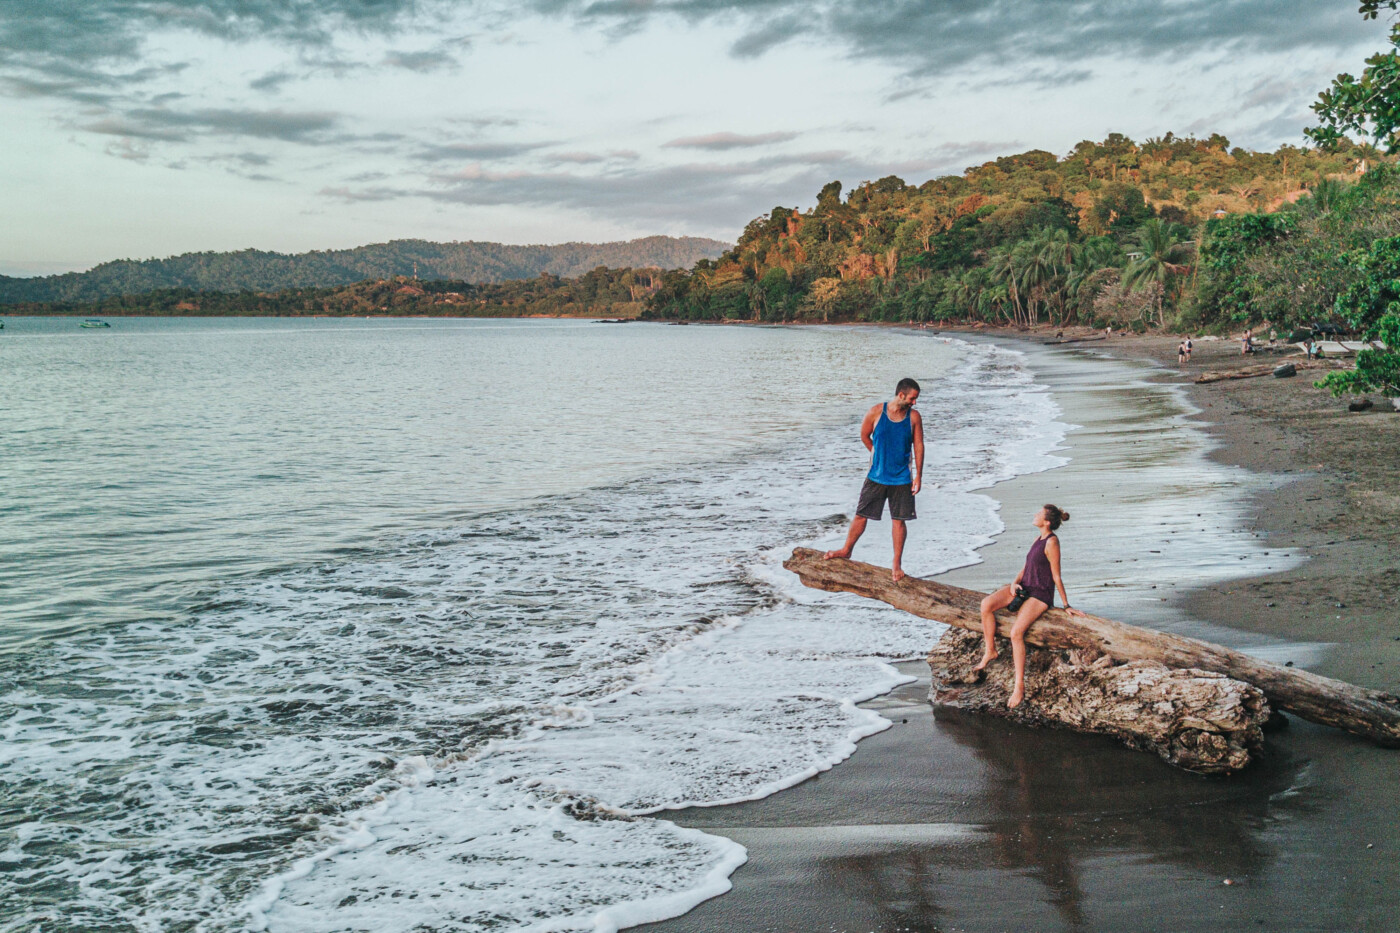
(264, 272)
(1114, 232)
(599, 293)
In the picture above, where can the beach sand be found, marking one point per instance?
(951, 821)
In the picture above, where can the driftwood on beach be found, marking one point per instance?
(1055, 343)
(1370, 713)
(1251, 372)
(1196, 720)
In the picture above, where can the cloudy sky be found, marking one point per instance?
(135, 128)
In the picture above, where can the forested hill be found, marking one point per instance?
(1107, 232)
(256, 270)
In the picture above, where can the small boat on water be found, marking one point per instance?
(94, 322)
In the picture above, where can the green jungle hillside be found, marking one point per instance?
(1170, 230)
(256, 270)
(599, 293)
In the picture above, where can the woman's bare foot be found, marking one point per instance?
(1017, 696)
(987, 658)
(897, 574)
(843, 552)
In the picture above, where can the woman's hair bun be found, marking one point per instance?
(1064, 516)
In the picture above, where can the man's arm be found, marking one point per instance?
(867, 428)
(918, 427)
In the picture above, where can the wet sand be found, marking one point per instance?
(951, 822)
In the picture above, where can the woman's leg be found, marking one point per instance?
(1031, 610)
(990, 604)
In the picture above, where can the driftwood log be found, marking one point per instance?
(1196, 720)
(1251, 372)
(1370, 713)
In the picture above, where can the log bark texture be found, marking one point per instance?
(1370, 713)
(1195, 720)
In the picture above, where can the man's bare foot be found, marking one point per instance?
(1016, 697)
(897, 574)
(843, 552)
(987, 658)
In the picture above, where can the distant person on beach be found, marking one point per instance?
(1188, 349)
(1247, 342)
(891, 431)
(1181, 353)
(1029, 596)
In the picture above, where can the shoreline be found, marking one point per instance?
(1044, 830)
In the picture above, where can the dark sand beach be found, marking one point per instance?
(952, 822)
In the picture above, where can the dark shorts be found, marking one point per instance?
(873, 496)
(1045, 596)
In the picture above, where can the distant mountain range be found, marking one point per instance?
(257, 270)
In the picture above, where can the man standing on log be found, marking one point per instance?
(890, 431)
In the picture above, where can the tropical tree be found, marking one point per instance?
(1372, 306)
(1162, 253)
(1370, 104)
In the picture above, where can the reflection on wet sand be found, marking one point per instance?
(1054, 803)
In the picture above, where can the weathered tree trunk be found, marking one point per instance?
(1196, 720)
(1370, 713)
(1252, 372)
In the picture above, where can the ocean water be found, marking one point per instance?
(343, 625)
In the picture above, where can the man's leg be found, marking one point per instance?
(852, 536)
(898, 533)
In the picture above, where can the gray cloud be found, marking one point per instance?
(767, 35)
(450, 152)
(422, 62)
(926, 38)
(156, 123)
(114, 30)
(83, 50)
(722, 141)
(590, 158)
(272, 81)
(574, 158)
(481, 123)
(351, 195)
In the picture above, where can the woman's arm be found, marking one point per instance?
(1052, 552)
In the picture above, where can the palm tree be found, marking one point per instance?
(1006, 271)
(1049, 267)
(1326, 194)
(1091, 256)
(1161, 253)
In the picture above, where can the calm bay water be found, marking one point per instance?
(142, 463)
(373, 625)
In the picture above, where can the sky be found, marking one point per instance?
(139, 128)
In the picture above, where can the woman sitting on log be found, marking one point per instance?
(1029, 596)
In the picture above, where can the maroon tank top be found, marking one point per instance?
(1036, 578)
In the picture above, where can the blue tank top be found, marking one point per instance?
(894, 440)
